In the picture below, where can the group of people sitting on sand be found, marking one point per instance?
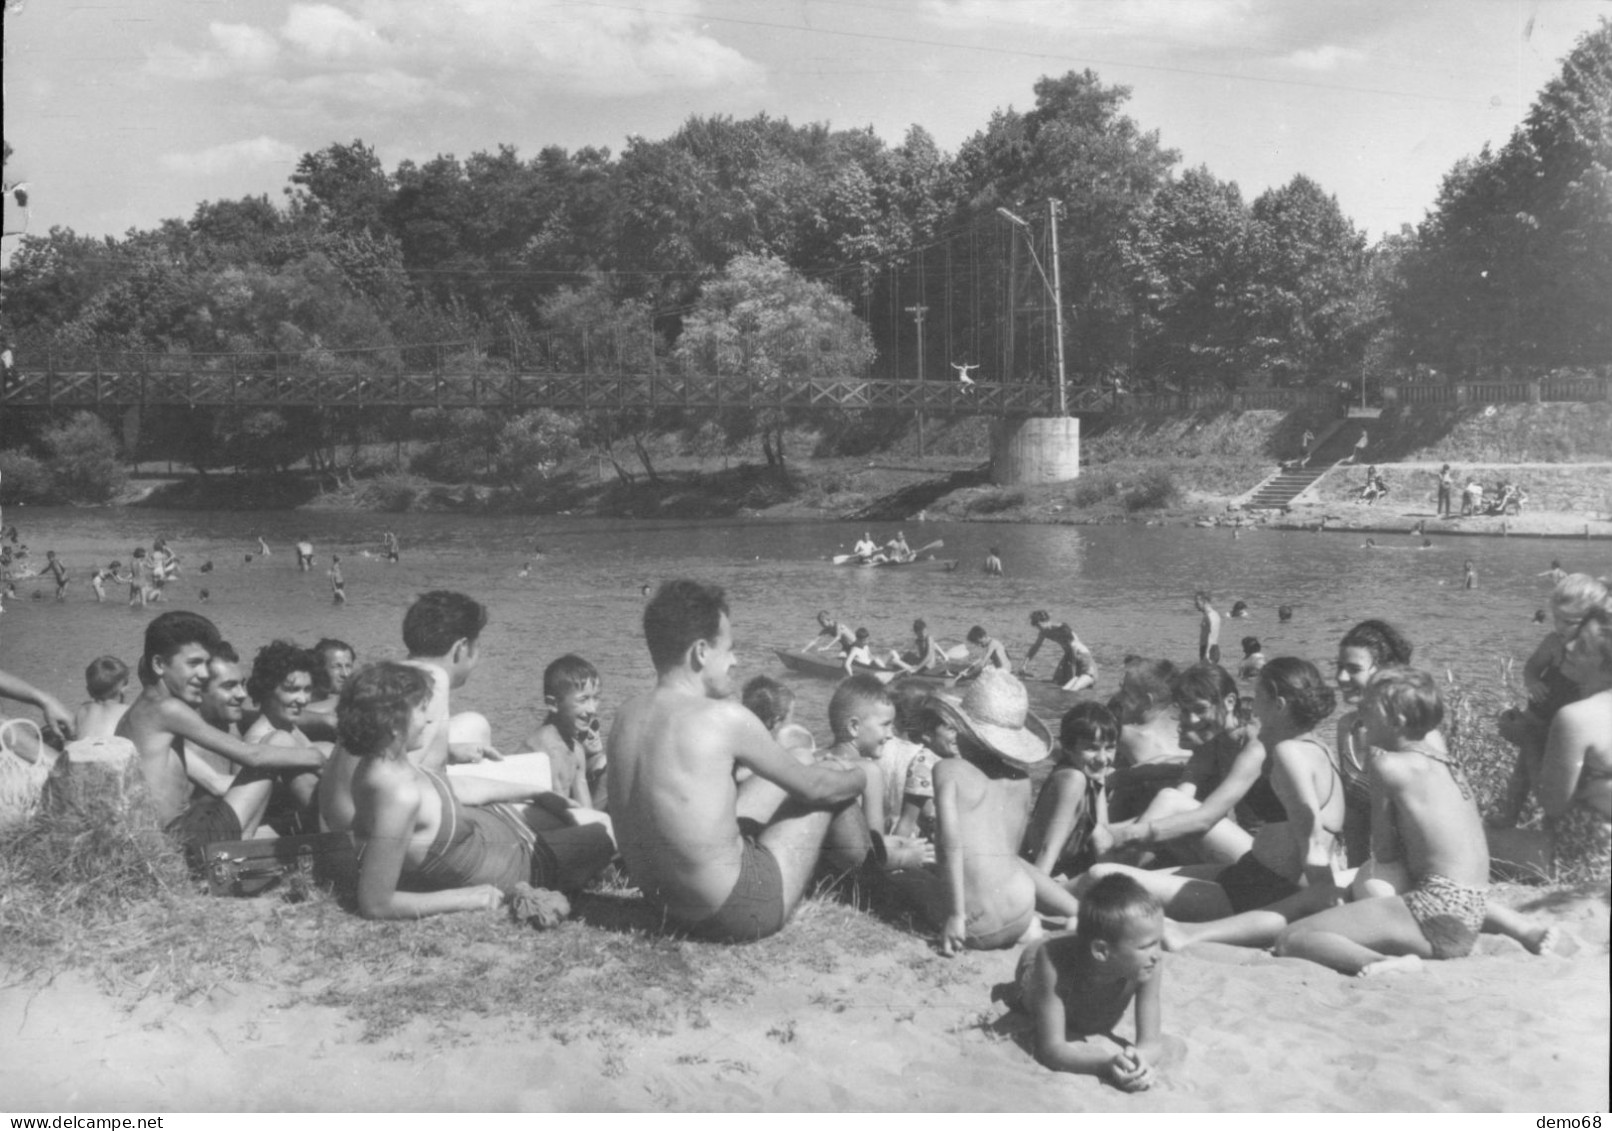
(1178, 812)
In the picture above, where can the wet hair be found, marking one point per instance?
(768, 700)
(439, 619)
(1206, 681)
(855, 695)
(276, 660)
(1576, 594)
(569, 673)
(1144, 688)
(1085, 725)
(1387, 645)
(1109, 906)
(168, 633)
(1040, 617)
(372, 715)
(104, 676)
(909, 697)
(862, 634)
(1250, 645)
(1409, 699)
(1239, 607)
(225, 651)
(1284, 613)
(680, 613)
(976, 635)
(1300, 684)
(1201, 595)
(919, 625)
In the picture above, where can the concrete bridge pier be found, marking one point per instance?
(1035, 449)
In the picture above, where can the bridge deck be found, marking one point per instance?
(518, 391)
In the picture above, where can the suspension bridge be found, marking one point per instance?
(121, 381)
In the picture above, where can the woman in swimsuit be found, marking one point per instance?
(281, 685)
(1225, 775)
(1574, 781)
(1291, 698)
(1550, 688)
(1365, 649)
(455, 847)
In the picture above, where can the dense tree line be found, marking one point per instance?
(775, 249)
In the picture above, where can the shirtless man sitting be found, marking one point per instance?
(163, 719)
(721, 861)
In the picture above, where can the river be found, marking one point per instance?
(1125, 589)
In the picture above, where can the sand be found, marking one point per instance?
(892, 1028)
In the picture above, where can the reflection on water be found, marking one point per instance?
(1124, 588)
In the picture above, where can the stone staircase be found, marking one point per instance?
(1335, 444)
(1282, 488)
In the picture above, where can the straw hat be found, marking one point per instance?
(995, 712)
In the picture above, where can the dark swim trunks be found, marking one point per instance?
(205, 820)
(755, 908)
(1248, 884)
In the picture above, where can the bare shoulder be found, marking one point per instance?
(957, 773)
(549, 740)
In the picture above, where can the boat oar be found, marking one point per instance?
(922, 550)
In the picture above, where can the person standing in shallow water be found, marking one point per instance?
(993, 563)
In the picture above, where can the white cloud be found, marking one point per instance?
(1157, 19)
(249, 47)
(325, 33)
(260, 150)
(1324, 58)
(402, 53)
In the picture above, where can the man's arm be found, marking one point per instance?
(1034, 648)
(755, 749)
(57, 717)
(949, 850)
(1218, 805)
(181, 719)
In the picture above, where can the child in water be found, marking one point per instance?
(1076, 987)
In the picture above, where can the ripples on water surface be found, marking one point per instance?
(1124, 588)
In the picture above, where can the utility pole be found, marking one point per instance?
(917, 313)
(1057, 306)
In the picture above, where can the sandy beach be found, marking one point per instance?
(841, 1014)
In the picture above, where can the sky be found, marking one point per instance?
(124, 114)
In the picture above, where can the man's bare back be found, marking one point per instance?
(675, 754)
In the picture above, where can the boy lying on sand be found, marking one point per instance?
(1076, 987)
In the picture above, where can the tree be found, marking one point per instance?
(763, 323)
(1513, 265)
(1078, 148)
(343, 187)
(1187, 258)
(84, 463)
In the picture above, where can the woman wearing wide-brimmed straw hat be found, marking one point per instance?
(980, 893)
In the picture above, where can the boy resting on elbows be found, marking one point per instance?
(1076, 987)
(1425, 819)
(980, 894)
(570, 733)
